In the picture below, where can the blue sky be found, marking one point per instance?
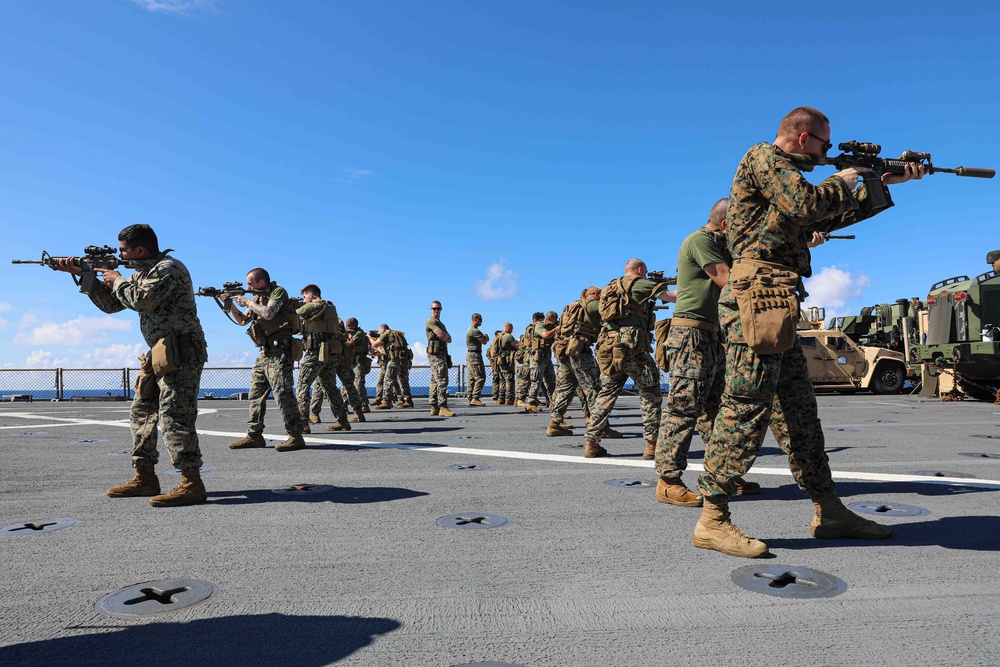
(400, 152)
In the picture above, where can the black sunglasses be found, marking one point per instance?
(826, 144)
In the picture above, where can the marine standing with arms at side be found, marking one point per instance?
(474, 341)
(437, 354)
(773, 212)
(272, 321)
(161, 292)
(623, 351)
(506, 349)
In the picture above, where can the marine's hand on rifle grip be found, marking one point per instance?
(851, 175)
(914, 172)
(108, 276)
(67, 264)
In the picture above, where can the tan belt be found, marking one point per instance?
(694, 324)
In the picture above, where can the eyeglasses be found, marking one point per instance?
(826, 144)
(435, 308)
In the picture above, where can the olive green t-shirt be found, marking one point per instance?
(697, 293)
(594, 311)
(472, 337)
(543, 327)
(432, 324)
(506, 341)
(310, 310)
(388, 339)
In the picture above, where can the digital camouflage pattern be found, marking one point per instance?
(403, 366)
(522, 380)
(477, 375)
(438, 392)
(542, 375)
(773, 211)
(638, 365)
(272, 372)
(311, 370)
(577, 375)
(161, 292)
(503, 379)
(697, 375)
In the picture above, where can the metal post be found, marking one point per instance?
(59, 384)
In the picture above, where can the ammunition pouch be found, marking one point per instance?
(366, 364)
(610, 355)
(165, 356)
(660, 356)
(436, 346)
(559, 349)
(296, 349)
(146, 386)
(348, 353)
(448, 358)
(329, 349)
(766, 294)
(574, 346)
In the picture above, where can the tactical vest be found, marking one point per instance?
(522, 349)
(541, 344)
(575, 323)
(323, 326)
(284, 324)
(398, 348)
(360, 344)
(617, 302)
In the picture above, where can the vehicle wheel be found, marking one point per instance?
(888, 379)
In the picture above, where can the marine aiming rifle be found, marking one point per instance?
(230, 289)
(97, 258)
(660, 277)
(865, 154)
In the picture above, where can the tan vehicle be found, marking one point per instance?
(837, 363)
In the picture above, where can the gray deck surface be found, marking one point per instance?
(585, 574)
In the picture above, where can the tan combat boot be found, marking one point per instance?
(593, 451)
(611, 434)
(401, 404)
(250, 441)
(556, 429)
(367, 408)
(314, 419)
(341, 425)
(741, 487)
(293, 443)
(833, 521)
(564, 424)
(716, 532)
(674, 492)
(358, 416)
(190, 491)
(532, 407)
(305, 428)
(518, 403)
(434, 411)
(477, 403)
(384, 405)
(408, 403)
(143, 484)
(495, 400)
(510, 401)
(650, 452)
(445, 412)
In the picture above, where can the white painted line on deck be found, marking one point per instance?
(557, 458)
(48, 425)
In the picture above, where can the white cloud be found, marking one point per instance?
(113, 356)
(39, 359)
(353, 175)
(174, 6)
(80, 331)
(230, 358)
(832, 288)
(419, 354)
(500, 283)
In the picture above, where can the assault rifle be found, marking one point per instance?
(864, 154)
(660, 277)
(97, 258)
(230, 289)
(847, 237)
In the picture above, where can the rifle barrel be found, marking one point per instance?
(975, 172)
(27, 261)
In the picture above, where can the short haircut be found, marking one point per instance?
(259, 274)
(537, 317)
(352, 322)
(140, 235)
(475, 315)
(718, 213)
(634, 264)
(311, 289)
(436, 303)
(383, 326)
(802, 119)
(552, 313)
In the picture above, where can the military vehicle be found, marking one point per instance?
(837, 363)
(962, 332)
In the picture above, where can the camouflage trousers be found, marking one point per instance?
(543, 377)
(438, 393)
(577, 375)
(477, 374)
(311, 370)
(522, 380)
(503, 382)
(762, 389)
(350, 394)
(697, 375)
(638, 365)
(359, 380)
(403, 379)
(383, 391)
(175, 409)
(272, 371)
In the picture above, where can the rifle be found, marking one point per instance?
(234, 288)
(864, 154)
(848, 237)
(660, 277)
(96, 258)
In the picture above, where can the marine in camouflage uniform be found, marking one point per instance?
(161, 292)
(405, 365)
(543, 376)
(437, 355)
(578, 372)
(272, 320)
(360, 344)
(474, 340)
(390, 350)
(522, 364)
(323, 356)
(505, 364)
(773, 211)
(636, 362)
